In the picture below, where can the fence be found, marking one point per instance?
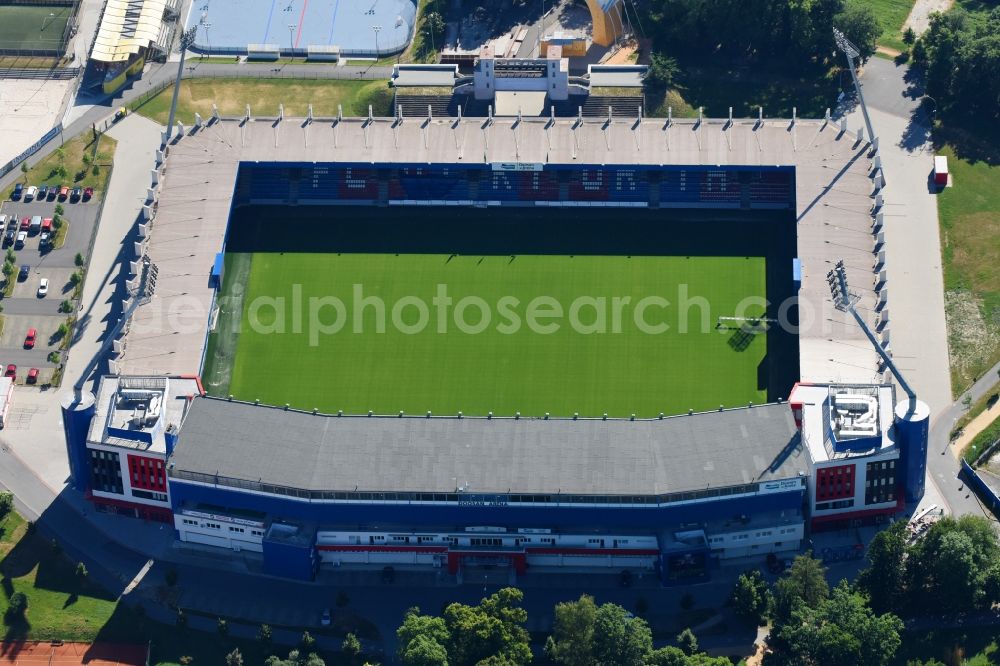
(986, 494)
(31, 150)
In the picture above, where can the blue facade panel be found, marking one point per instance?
(289, 561)
(425, 515)
(76, 423)
(912, 436)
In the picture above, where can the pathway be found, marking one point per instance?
(974, 427)
(919, 18)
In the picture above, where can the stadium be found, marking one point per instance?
(36, 29)
(257, 405)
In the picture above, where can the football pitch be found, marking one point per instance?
(479, 333)
(33, 27)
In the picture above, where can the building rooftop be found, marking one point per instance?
(136, 412)
(846, 420)
(301, 450)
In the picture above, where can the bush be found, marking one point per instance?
(76, 278)
(8, 269)
(66, 307)
(81, 570)
(54, 357)
(307, 642)
(909, 36)
(186, 660)
(78, 259)
(59, 209)
(6, 503)
(11, 257)
(222, 627)
(264, 633)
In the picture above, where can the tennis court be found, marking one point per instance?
(35, 653)
(33, 27)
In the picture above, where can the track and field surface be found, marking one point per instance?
(21, 26)
(503, 368)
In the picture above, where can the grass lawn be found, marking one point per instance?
(60, 606)
(891, 14)
(969, 213)
(70, 159)
(264, 96)
(503, 369)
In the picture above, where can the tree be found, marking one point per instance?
(81, 571)
(222, 627)
(951, 567)
(803, 584)
(24, 170)
(841, 631)
(882, 581)
(76, 278)
(620, 638)
(662, 71)
(424, 651)
(909, 36)
(434, 28)
(17, 605)
(10, 256)
(860, 25)
(59, 210)
(8, 269)
(61, 154)
(264, 634)
(351, 647)
(307, 643)
(234, 658)
(667, 656)
(78, 260)
(688, 642)
(572, 639)
(751, 597)
(6, 502)
(494, 628)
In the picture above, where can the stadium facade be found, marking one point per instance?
(671, 494)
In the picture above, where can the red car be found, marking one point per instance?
(32, 376)
(87, 193)
(11, 371)
(29, 340)
(63, 193)
(25, 223)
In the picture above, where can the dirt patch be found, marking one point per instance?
(970, 336)
(920, 16)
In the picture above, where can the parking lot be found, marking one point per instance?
(26, 308)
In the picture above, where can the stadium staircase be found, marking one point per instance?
(54, 73)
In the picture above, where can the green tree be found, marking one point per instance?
(424, 651)
(620, 638)
(222, 627)
(24, 170)
(59, 210)
(428, 629)
(662, 71)
(434, 28)
(8, 269)
(17, 605)
(841, 631)
(494, 628)
(234, 658)
(572, 639)
(264, 634)
(667, 656)
(909, 36)
(951, 567)
(882, 581)
(6, 502)
(81, 571)
(751, 597)
(803, 584)
(307, 643)
(78, 260)
(10, 256)
(688, 642)
(60, 154)
(860, 25)
(351, 647)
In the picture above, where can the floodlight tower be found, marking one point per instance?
(912, 417)
(187, 39)
(851, 51)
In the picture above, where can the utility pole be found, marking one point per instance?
(187, 39)
(851, 51)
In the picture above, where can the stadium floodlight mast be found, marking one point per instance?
(845, 300)
(852, 53)
(187, 39)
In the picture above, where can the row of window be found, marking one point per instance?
(217, 526)
(841, 504)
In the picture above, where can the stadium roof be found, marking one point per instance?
(126, 26)
(307, 451)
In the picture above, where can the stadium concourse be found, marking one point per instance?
(669, 494)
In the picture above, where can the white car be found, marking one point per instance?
(30, 193)
(43, 287)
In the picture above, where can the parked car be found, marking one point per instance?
(22, 274)
(47, 225)
(43, 240)
(32, 377)
(30, 192)
(25, 223)
(19, 241)
(120, 113)
(43, 191)
(53, 193)
(35, 225)
(63, 193)
(29, 339)
(88, 192)
(18, 191)
(8, 238)
(43, 287)
(324, 618)
(12, 223)
(11, 371)
(75, 195)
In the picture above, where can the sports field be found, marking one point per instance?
(33, 27)
(473, 332)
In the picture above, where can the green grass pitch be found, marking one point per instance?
(21, 26)
(567, 371)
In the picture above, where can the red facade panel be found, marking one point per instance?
(835, 483)
(147, 473)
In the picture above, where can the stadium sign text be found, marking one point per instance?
(517, 166)
(482, 500)
(779, 486)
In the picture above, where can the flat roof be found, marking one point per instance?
(121, 399)
(296, 449)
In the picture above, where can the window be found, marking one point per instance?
(105, 472)
(880, 484)
(257, 533)
(188, 521)
(236, 529)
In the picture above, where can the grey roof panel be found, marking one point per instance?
(587, 457)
